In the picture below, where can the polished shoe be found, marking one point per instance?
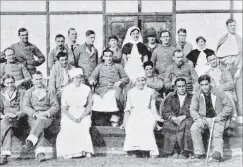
(41, 157)
(3, 160)
(217, 156)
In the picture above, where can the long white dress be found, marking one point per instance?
(74, 138)
(141, 122)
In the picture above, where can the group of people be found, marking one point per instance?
(139, 87)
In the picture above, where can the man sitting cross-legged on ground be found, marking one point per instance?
(176, 130)
(109, 79)
(40, 105)
(207, 104)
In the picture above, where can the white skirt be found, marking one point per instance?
(107, 103)
(74, 138)
(134, 68)
(140, 132)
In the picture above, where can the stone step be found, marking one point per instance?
(110, 140)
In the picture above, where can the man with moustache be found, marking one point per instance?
(52, 57)
(180, 69)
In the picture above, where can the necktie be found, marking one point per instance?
(75, 62)
(182, 46)
(72, 49)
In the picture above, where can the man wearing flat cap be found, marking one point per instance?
(152, 44)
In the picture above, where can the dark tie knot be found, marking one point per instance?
(72, 48)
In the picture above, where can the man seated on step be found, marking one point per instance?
(207, 104)
(12, 117)
(40, 104)
(109, 79)
(59, 76)
(153, 81)
(176, 129)
(222, 79)
(17, 70)
(180, 69)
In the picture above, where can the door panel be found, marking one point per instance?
(159, 23)
(118, 25)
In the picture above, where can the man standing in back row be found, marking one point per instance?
(25, 52)
(88, 58)
(162, 55)
(229, 50)
(73, 47)
(182, 44)
(151, 45)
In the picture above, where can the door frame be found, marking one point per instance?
(139, 20)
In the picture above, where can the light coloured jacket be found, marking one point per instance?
(221, 103)
(33, 104)
(56, 76)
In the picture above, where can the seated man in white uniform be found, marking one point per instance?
(109, 80)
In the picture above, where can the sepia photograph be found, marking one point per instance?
(121, 83)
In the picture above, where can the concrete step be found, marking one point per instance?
(110, 140)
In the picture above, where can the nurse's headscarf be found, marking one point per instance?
(75, 72)
(128, 38)
(140, 75)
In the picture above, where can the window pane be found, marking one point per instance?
(200, 5)
(36, 26)
(238, 5)
(238, 19)
(18, 6)
(121, 6)
(82, 23)
(76, 5)
(156, 6)
(212, 27)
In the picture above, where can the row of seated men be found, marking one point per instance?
(185, 116)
